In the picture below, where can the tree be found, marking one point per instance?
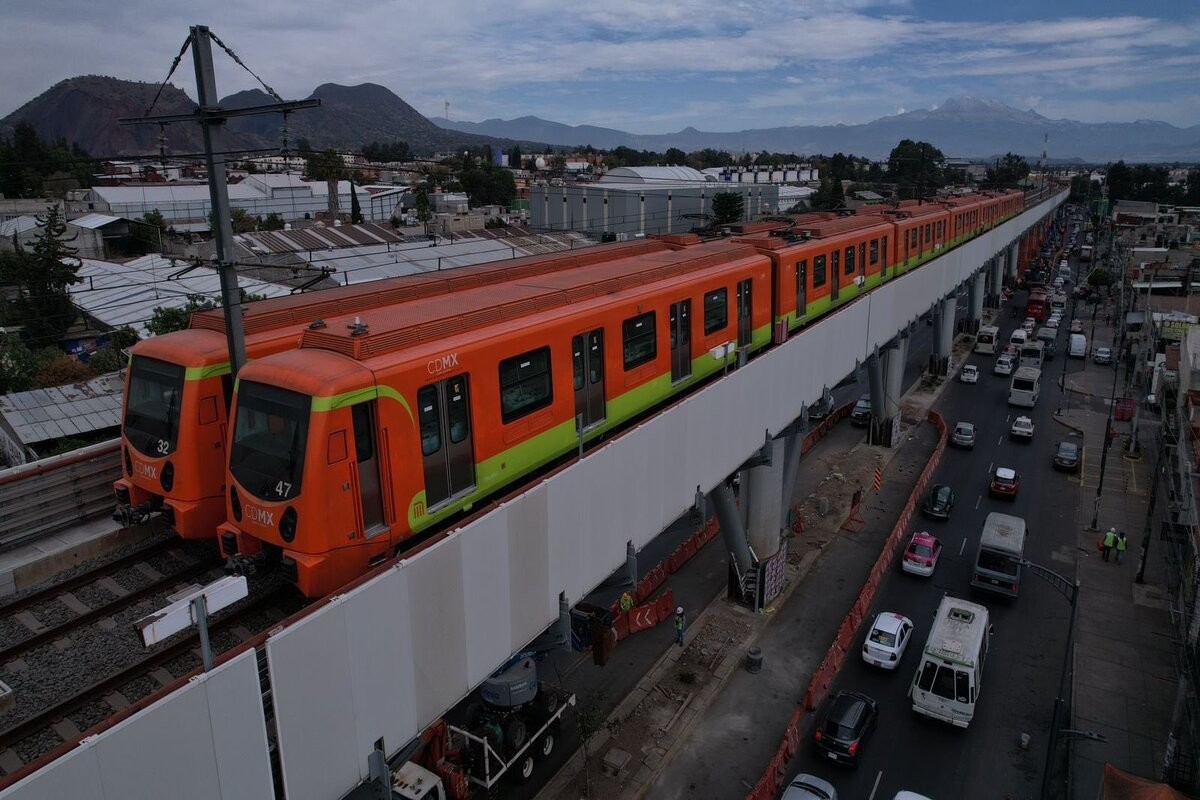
(675, 157)
(1119, 178)
(514, 157)
(43, 275)
(166, 319)
(356, 215)
(489, 185)
(273, 222)
(61, 371)
(17, 365)
(728, 207)
(424, 212)
(917, 168)
(1008, 172)
(149, 232)
(324, 166)
(109, 357)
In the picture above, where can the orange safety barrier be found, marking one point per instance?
(621, 625)
(643, 617)
(666, 604)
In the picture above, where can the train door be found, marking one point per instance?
(862, 260)
(367, 456)
(801, 290)
(448, 458)
(744, 305)
(681, 340)
(835, 276)
(588, 360)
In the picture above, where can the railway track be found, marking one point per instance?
(69, 714)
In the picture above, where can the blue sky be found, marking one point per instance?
(649, 67)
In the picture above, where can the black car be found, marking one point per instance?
(861, 415)
(939, 502)
(849, 719)
(1066, 457)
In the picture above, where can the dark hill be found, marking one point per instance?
(85, 110)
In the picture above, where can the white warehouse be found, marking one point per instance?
(640, 201)
(186, 206)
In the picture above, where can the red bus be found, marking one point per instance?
(1038, 305)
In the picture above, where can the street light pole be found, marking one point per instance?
(1104, 454)
(1070, 590)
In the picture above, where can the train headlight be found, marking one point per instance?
(287, 525)
(168, 476)
(236, 503)
(128, 462)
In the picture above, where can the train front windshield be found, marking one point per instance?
(270, 432)
(152, 406)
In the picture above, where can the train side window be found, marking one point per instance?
(874, 252)
(818, 271)
(928, 234)
(429, 420)
(883, 247)
(641, 344)
(336, 449)
(525, 384)
(850, 260)
(457, 412)
(716, 310)
(364, 432)
(914, 234)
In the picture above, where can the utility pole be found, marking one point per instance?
(211, 118)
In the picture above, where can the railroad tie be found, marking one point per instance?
(66, 729)
(116, 701)
(10, 762)
(29, 621)
(74, 603)
(111, 586)
(149, 571)
(163, 677)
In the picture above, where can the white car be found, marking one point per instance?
(969, 374)
(1053, 322)
(885, 643)
(1022, 428)
(1004, 365)
(809, 787)
(1028, 325)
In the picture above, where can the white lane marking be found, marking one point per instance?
(875, 788)
(990, 465)
(1000, 441)
(978, 500)
(963, 546)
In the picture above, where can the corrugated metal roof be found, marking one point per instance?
(42, 415)
(94, 221)
(654, 175)
(17, 225)
(127, 294)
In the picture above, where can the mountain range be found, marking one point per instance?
(966, 127)
(86, 109)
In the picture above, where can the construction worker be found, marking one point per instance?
(1110, 541)
(626, 602)
(1122, 543)
(680, 622)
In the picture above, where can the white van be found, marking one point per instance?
(946, 686)
(1019, 337)
(1077, 348)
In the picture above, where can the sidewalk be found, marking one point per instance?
(1124, 674)
(702, 685)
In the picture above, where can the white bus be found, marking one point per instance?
(1001, 550)
(986, 339)
(947, 682)
(1031, 353)
(1026, 386)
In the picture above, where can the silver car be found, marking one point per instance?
(963, 435)
(809, 787)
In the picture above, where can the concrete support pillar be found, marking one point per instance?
(997, 265)
(878, 395)
(893, 374)
(943, 336)
(763, 494)
(975, 312)
(732, 530)
(1010, 266)
(791, 468)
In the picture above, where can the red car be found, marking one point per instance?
(921, 555)
(1005, 483)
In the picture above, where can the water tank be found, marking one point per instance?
(540, 162)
